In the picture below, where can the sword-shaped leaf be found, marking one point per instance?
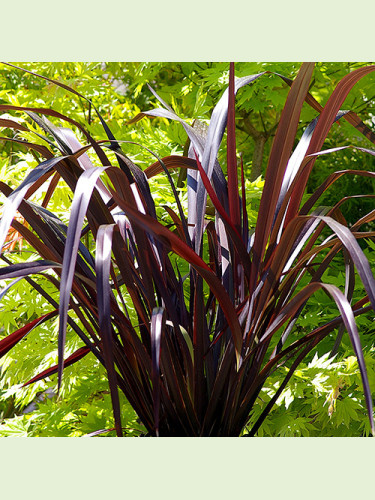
(103, 265)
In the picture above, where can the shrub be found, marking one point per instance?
(191, 352)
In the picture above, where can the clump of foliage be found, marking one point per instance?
(190, 346)
(322, 399)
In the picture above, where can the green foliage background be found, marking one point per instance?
(324, 397)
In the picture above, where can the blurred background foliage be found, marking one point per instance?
(315, 399)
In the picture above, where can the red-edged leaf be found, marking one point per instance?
(325, 121)
(278, 160)
(11, 340)
(233, 195)
(232, 230)
(73, 358)
(171, 162)
(13, 201)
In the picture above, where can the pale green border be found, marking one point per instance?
(186, 469)
(182, 469)
(198, 30)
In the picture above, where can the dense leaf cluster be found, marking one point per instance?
(201, 339)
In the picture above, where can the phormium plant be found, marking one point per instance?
(193, 352)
